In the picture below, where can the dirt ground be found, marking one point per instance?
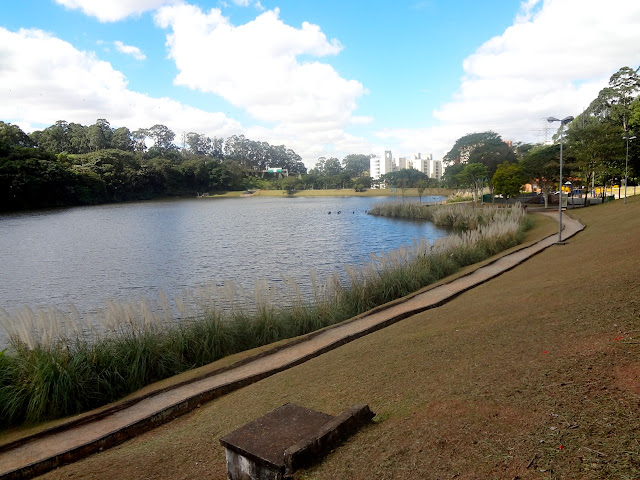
(533, 375)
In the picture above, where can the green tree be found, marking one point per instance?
(318, 169)
(403, 179)
(463, 147)
(491, 154)
(361, 184)
(139, 138)
(118, 169)
(451, 178)
(290, 185)
(473, 175)
(356, 165)
(542, 166)
(332, 167)
(596, 151)
(122, 139)
(13, 136)
(508, 179)
(79, 138)
(100, 134)
(198, 144)
(33, 178)
(54, 139)
(162, 138)
(615, 101)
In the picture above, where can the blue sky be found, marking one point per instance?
(324, 78)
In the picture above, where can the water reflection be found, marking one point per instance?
(88, 254)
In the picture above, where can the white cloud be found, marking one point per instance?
(44, 79)
(135, 52)
(256, 66)
(114, 10)
(552, 61)
(526, 10)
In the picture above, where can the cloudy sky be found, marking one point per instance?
(326, 78)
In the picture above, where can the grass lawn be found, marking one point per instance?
(533, 375)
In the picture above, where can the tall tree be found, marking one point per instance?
(332, 167)
(162, 138)
(13, 136)
(122, 139)
(198, 144)
(139, 138)
(614, 102)
(100, 134)
(356, 165)
(319, 167)
(463, 147)
(79, 138)
(596, 151)
(54, 139)
(492, 153)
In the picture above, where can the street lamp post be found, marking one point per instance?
(563, 122)
(626, 167)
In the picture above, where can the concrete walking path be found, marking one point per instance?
(89, 433)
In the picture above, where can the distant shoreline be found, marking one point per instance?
(345, 192)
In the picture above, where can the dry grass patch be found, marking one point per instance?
(345, 192)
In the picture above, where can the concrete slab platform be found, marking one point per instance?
(265, 439)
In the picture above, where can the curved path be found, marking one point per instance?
(86, 434)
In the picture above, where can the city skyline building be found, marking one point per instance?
(423, 162)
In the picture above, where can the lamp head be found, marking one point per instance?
(566, 120)
(552, 119)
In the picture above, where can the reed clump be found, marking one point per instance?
(60, 363)
(460, 196)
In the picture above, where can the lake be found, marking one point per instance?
(85, 255)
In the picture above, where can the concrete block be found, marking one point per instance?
(273, 446)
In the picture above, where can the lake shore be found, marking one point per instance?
(528, 376)
(344, 192)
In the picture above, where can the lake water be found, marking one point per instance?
(86, 255)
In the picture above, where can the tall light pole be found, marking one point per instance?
(626, 166)
(563, 122)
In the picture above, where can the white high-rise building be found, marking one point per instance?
(381, 164)
(435, 169)
(425, 163)
(375, 169)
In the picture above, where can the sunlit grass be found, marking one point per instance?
(59, 363)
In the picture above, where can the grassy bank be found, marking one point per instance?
(457, 216)
(534, 375)
(345, 192)
(57, 365)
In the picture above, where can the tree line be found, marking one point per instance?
(595, 149)
(72, 164)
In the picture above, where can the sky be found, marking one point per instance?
(325, 78)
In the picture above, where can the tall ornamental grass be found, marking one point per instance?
(58, 364)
